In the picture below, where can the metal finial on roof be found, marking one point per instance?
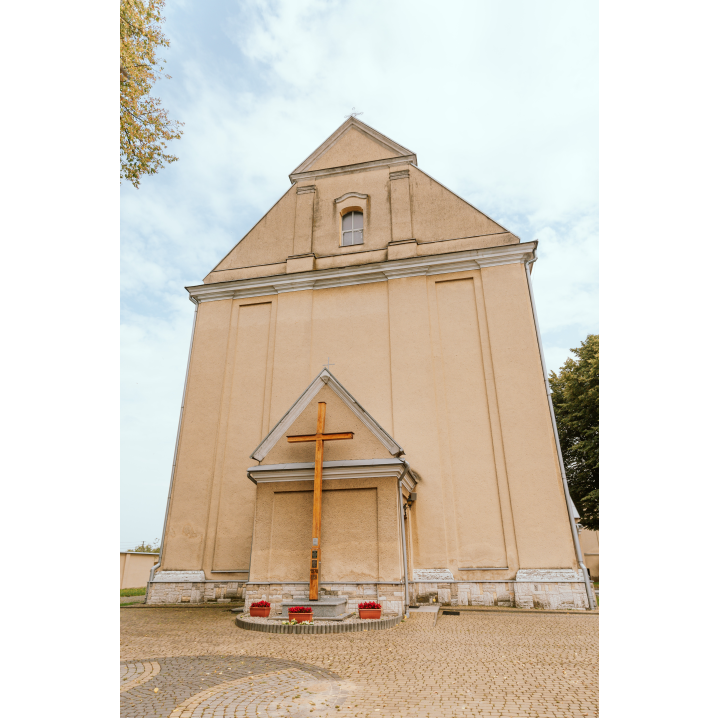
(353, 113)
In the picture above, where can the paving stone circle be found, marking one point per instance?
(480, 664)
(209, 686)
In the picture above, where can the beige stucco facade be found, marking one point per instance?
(428, 327)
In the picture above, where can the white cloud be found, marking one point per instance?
(498, 100)
(565, 276)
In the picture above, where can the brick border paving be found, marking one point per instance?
(132, 677)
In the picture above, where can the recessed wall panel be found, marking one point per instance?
(350, 538)
(291, 536)
(476, 509)
(244, 432)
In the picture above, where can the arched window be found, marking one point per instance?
(352, 229)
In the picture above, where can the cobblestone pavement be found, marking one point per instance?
(195, 662)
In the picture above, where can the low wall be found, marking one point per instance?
(135, 568)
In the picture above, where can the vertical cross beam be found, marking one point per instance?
(319, 438)
(315, 565)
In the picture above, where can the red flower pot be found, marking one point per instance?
(302, 617)
(261, 611)
(365, 613)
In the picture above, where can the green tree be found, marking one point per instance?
(575, 401)
(148, 547)
(145, 127)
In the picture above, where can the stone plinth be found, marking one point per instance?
(391, 596)
(325, 607)
(165, 591)
(545, 592)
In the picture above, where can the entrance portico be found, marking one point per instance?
(362, 550)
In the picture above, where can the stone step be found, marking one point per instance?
(325, 607)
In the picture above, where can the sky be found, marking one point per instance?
(499, 101)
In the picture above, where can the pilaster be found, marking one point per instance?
(304, 221)
(400, 205)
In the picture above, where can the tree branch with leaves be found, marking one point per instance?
(575, 402)
(145, 127)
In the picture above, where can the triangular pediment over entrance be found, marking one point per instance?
(343, 414)
(353, 143)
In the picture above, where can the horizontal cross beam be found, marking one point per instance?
(320, 437)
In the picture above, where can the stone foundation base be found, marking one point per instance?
(390, 596)
(551, 595)
(194, 592)
(518, 594)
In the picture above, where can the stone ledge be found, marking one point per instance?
(179, 577)
(547, 575)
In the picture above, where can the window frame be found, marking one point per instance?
(349, 211)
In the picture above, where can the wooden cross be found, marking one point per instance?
(320, 437)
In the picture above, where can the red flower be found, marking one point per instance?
(300, 609)
(370, 604)
(261, 604)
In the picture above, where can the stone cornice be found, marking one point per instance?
(365, 273)
(371, 468)
(348, 169)
(325, 378)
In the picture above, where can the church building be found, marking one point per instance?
(365, 411)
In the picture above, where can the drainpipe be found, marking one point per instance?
(251, 546)
(179, 428)
(403, 541)
(567, 495)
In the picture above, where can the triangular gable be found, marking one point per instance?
(325, 379)
(353, 148)
(385, 147)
